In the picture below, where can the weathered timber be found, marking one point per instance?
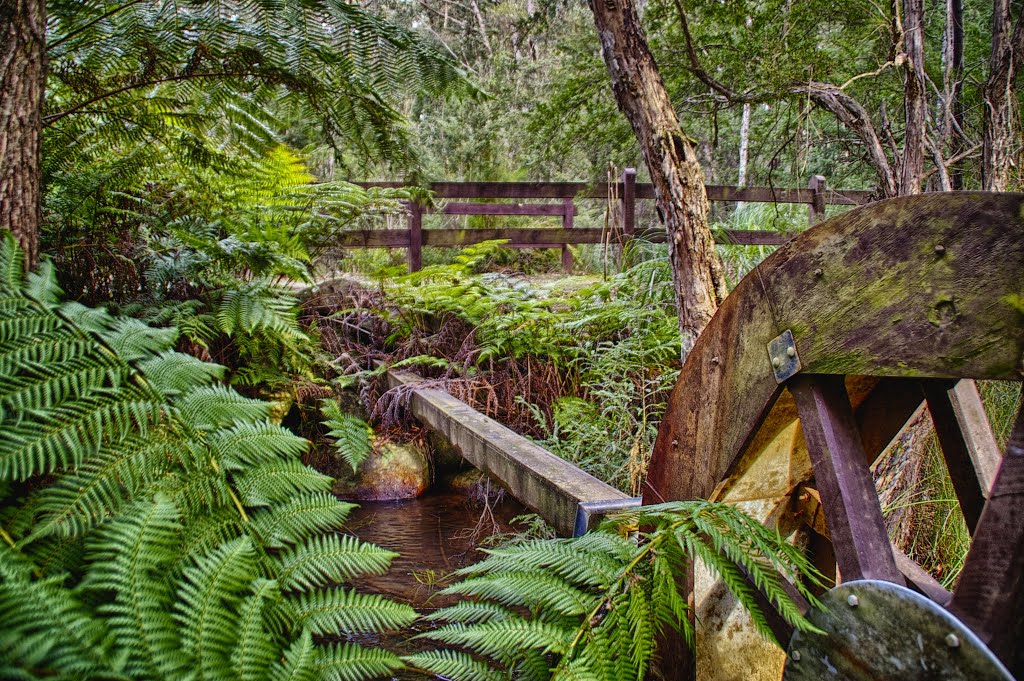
(546, 484)
(844, 482)
(599, 190)
(989, 596)
(415, 236)
(546, 237)
(956, 451)
(906, 288)
(505, 209)
(883, 296)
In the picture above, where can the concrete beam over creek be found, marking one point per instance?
(565, 496)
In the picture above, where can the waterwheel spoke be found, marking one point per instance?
(843, 479)
(968, 445)
(990, 594)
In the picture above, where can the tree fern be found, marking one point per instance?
(597, 604)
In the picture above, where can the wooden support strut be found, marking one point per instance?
(989, 596)
(844, 480)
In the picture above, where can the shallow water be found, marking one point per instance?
(435, 535)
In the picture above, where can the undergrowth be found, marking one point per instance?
(584, 369)
(155, 523)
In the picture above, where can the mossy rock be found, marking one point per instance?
(393, 471)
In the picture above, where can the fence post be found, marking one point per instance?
(628, 203)
(415, 236)
(816, 211)
(569, 211)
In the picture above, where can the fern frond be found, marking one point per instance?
(277, 481)
(207, 598)
(78, 501)
(452, 664)
(218, 406)
(299, 518)
(338, 610)
(300, 661)
(246, 444)
(175, 372)
(527, 588)
(352, 436)
(125, 555)
(351, 662)
(45, 625)
(504, 640)
(256, 649)
(327, 559)
(471, 612)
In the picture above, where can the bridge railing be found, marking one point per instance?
(627, 192)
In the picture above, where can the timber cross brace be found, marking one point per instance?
(626, 192)
(889, 307)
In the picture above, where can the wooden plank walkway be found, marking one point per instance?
(568, 498)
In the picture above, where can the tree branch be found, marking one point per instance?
(50, 119)
(55, 43)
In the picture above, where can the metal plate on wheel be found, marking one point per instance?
(877, 630)
(783, 356)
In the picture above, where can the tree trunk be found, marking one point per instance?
(915, 99)
(671, 161)
(953, 86)
(1001, 126)
(22, 85)
(741, 179)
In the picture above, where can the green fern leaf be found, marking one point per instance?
(351, 662)
(349, 612)
(255, 650)
(174, 372)
(211, 591)
(125, 555)
(454, 665)
(299, 518)
(277, 481)
(352, 436)
(328, 559)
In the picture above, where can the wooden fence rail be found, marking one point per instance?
(817, 196)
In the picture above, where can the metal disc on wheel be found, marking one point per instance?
(877, 630)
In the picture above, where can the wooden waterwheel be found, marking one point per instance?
(811, 367)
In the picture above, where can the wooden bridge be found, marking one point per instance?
(466, 198)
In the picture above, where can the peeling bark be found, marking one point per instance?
(671, 161)
(22, 85)
(1001, 125)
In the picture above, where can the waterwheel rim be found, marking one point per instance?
(888, 306)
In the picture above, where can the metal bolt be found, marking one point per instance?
(818, 272)
(795, 655)
(940, 249)
(776, 362)
(791, 351)
(952, 640)
(852, 600)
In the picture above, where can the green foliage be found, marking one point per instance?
(352, 436)
(160, 528)
(583, 365)
(593, 607)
